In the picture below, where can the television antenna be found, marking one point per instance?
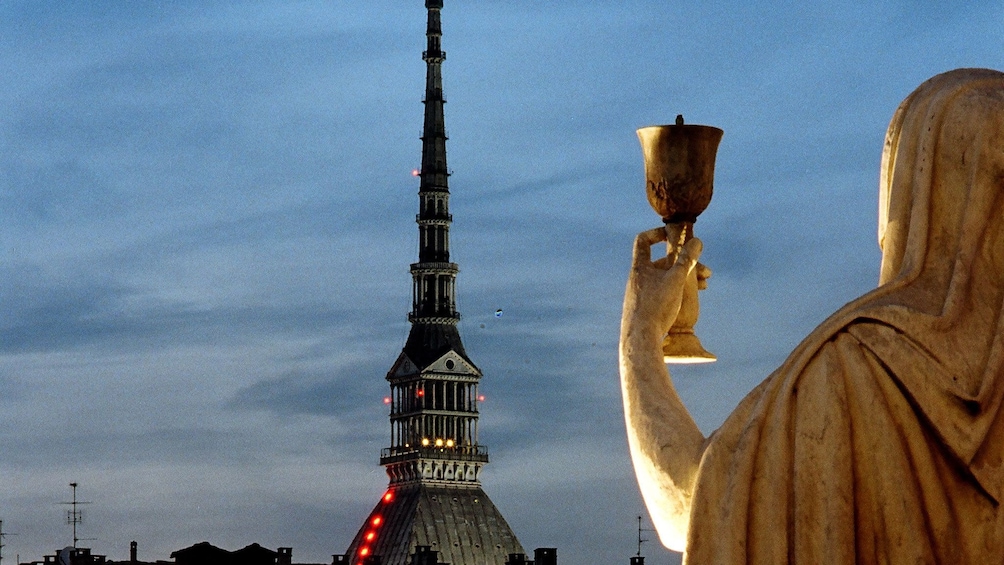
(3, 534)
(74, 516)
(641, 540)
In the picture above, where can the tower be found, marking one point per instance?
(434, 500)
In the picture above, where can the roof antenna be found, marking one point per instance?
(3, 534)
(641, 540)
(74, 516)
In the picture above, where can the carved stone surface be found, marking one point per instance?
(881, 438)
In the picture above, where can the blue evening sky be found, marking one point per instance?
(207, 216)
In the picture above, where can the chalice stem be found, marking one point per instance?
(677, 234)
(681, 344)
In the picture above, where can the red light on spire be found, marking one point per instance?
(364, 551)
(388, 496)
(386, 400)
(481, 398)
(376, 521)
(415, 172)
(420, 393)
(371, 536)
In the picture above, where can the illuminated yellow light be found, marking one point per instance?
(439, 443)
(449, 443)
(425, 441)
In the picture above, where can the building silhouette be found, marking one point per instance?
(205, 553)
(202, 553)
(434, 508)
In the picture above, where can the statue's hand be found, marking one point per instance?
(655, 288)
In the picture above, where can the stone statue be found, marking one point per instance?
(881, 438)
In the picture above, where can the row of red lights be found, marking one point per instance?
(375, 523)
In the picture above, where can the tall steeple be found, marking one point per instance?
(434, 313)
(434, 500)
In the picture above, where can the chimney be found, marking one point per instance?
(424, 556)
(132, 551)
(545, 556)
(638, 560)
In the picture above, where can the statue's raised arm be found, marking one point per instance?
(665, 442)
(880, 439)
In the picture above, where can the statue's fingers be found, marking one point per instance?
(685, 263)
(653, 236)
(663, 263)
(703, 271)
(689, 254)
(675, 277)
(644, 242)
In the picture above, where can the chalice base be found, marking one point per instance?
(683, 347)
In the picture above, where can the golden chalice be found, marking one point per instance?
(679, 174)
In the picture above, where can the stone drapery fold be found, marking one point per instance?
(880, 439)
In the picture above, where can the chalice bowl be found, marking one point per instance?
(679, 177)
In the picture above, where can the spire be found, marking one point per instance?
(434, 171)
(434, 313)
(434, 497)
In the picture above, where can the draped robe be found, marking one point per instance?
(881, 437)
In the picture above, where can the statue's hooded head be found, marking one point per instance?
(940, 300)
(942, 178)
(941, 226)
